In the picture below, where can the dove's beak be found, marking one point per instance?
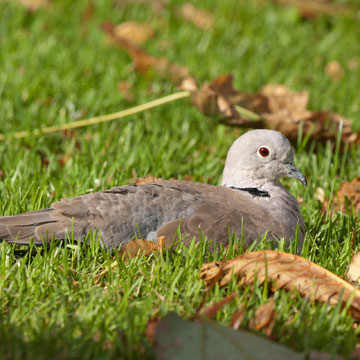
(295, 173)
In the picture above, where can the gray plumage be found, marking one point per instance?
(251, 201)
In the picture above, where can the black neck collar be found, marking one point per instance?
(253, 191)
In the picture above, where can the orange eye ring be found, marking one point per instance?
(264, 151)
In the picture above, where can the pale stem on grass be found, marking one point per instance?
(99, 119)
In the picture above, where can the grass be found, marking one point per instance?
(56, 67)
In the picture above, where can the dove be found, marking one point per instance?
(251, 203)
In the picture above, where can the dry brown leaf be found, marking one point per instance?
(319, 194)
(134, 32)
(285, 271)
(64, 159)
(274, 107)
(346, 196)
(311, 8)
(220, 98)
(33, 5)
(145, 247)
(334, 70)
(150, 331)
(144, 61)
(200, 18)
(125, 89)
(265, 317)
(146, 179)
(353, 270)
(211, 310)
(237, 317)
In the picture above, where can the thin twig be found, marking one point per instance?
(98, 119)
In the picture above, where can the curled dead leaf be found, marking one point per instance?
(199, 17)
(144, 61)
(211, 310)
(285, 271)
(275, 107)
(347, 196)
(220, 98)
(264, 318)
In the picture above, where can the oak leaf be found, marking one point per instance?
(134, 32)
(285, 271)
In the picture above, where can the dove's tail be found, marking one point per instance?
(21, 228)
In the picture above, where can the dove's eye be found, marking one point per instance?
(263, 151)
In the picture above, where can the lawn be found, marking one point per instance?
(56, 66)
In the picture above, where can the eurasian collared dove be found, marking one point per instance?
(250, 202)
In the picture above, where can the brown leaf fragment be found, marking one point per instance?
(265, 317)
(316, 7)
(200, 18)
(334, 70)
(132, 248)
(146, 179)
(144, 61)
(347, 196)
(134, 32)
(150, 331)
(237, 317)
(285, 271)
(220, 98)
(353, 270)
(211, 310)
(33, 5)
(125, 89)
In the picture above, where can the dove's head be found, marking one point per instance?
(259, 157)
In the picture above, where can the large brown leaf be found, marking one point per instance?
(275, 107)
(285, 271)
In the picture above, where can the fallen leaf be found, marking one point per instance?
(220, 98)
(211, 310)
(132, 248)
(347, 196)
(200, 18)
(144, 61)
(146, 179)
(125, 89)
(264, 318)
(64, 159)
(134, 32)
(177, 338)
(238, 317)
(312, 8)
(274, 107)
(33, 5)
(334, 70)
(285, 271)
(353, 270)
(150, 331)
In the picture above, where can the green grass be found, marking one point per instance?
(55, 68)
